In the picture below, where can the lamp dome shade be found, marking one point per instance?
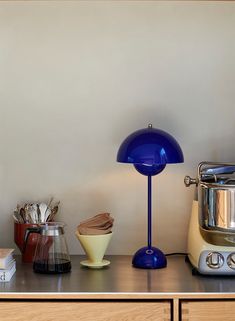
(150, 146)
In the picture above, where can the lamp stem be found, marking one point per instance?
(149, 211)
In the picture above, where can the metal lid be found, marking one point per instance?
(217, 173)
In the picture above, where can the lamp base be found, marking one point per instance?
(149, 258)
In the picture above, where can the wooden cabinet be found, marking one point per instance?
(210, 310)
(118, 293)
(99, 310)
(85, 311)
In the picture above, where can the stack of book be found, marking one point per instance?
(7, 265)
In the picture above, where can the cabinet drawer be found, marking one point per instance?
(208, 310)
(84, 311)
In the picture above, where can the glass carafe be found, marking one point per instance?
(51, 254)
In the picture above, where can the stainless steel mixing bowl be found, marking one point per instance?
(216, 198)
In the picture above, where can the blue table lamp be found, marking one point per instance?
(149, 150)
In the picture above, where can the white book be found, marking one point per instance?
(6, 275)
(5, 258)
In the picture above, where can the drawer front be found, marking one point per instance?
(84, 311)
(208, 310)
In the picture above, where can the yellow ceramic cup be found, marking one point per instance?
(94, 246)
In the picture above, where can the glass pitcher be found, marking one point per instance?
(51, 254)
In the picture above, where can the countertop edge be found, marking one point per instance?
(114, 296)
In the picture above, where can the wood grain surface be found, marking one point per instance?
(208, 311)
(85, 311)
(175, 309)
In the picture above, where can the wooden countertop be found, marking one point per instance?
(118, 281)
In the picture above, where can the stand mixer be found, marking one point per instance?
(211, 237)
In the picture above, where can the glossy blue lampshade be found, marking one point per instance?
(150, 146)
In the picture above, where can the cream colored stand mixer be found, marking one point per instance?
(211, 236)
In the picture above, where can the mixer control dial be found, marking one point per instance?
(231, 260)
(215, 260)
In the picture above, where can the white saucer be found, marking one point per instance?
(95, 265)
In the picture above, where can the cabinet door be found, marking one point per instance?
(208, 310)
(84, 311)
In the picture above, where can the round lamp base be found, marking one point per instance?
(149, 258)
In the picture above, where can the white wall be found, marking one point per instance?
(77, 77)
